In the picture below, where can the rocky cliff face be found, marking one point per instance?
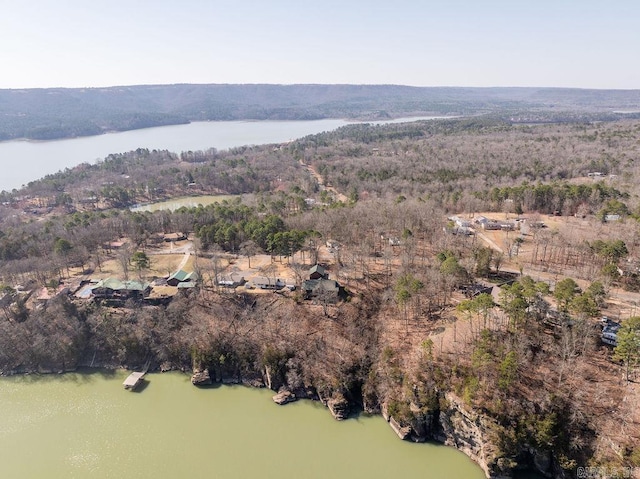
(338, 406)
(449, 421)
(201, 378)
(470, 433)
(454, 424)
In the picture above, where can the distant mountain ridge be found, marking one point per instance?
(52, 113)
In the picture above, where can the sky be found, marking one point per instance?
(543, 43)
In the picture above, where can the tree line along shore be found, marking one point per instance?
(489, 339)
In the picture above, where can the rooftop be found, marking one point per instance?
(117, 285)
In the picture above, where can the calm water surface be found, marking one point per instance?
(25, 161)
(187, 201)
(87, 425)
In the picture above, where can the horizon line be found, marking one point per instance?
(138, 85)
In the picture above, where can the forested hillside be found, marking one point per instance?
(60, 113)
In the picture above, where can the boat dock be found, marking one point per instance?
(133, 380)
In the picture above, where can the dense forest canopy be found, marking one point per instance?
(60, 113)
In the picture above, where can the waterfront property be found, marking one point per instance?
(182, 276)
(111, 288)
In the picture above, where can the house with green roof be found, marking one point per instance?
(181, 276)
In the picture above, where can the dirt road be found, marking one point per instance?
(339, 196)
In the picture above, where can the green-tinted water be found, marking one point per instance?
(87, 425)
(189, 202)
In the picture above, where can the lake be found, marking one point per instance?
(82, 425)
(25, 161)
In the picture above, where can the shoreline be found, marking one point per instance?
(453, 427)
(348, 121)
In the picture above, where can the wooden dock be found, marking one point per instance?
(133, 380)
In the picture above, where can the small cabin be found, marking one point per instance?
(318, 272)
(172, 237)
(231, 281)
(264, 282)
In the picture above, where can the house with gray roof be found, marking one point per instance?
(232, 281)
(325, 289)
(318, 272)
(112, 288)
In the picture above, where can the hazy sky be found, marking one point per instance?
(78, 43)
